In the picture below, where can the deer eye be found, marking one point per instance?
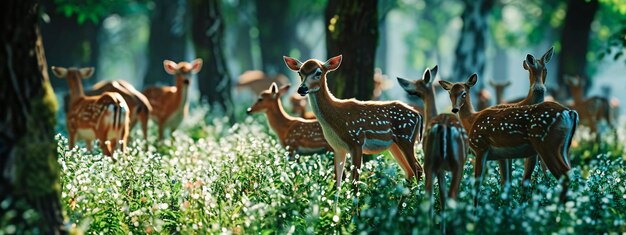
(464, 95)
(260, 99)
(318, 73)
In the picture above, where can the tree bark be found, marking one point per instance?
(167, 39)
(352, 30)
(28, 157)
(275, 33)
(470, 50)
(575, 41)
(69, 43)
(207, 34)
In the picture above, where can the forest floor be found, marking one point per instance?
(216, 178)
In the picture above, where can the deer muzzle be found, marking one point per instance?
(302, 90)
(455, 110)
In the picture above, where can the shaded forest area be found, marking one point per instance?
(129, 39)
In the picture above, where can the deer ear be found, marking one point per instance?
(547, 56)
(274, 88)
(525, 65)
(284, 89)
(507, 83)
(445, 85)
(333, 63)
(530, 60)
(493, 83)
(426, 76)
(408, 86)
(471, 81)
(433, 72)
(292, 63)
(86, 72)
(60, 72)
(196, 65)
(170, 66)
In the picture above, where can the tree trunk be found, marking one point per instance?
(352, 30)
(275, 33)
(28, 158)
(208, 33)
(470, 50)
(69, 43)
(167, 39)
(575, 41)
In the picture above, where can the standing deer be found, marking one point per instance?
(138, 104)
(515, 132)
(444, 139)
(298, 106)
(103, 117)
(169, 103)
(257, 81)
(297, 134)
(499, 88)
(593, 109)
(359, 127)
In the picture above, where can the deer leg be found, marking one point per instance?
(441, 180)
(480, 167)
(457, 176)
(505, 171)
(529, 167)
(160, 131)
(408, 150)
(72, 142)
(357, 160)
(89, 144)
(401, 159)
(428, 177)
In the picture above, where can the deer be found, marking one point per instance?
(445, 140)
(537, 73)
(138, 104)
(104, 117)
(516, 131)
(298, 106)
(298, 135)
(592, 109)
(484, 98)
(169, 103)
(358, 127)
(257, 81)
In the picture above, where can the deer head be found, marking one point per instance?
(537, 68)
(183, 70)
(268, 99)
(458, 92)
(73, 77)
(312, 72)
(422, 86)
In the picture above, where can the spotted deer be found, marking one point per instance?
(257, 81)
(298, 106)
(297, 134)
(169, 103)
(359, 127)
(537, 73)
(138, 104)
(593, 109)
(445, 140)
(515, 132)
(103, 117)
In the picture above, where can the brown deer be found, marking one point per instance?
(359, 127)
(593, 109)
(138, 104)
(515, 132)
(103, 117)
(297, 134)
(499, 88)
(257, 81)
(444, 142)
(537, 73)
(169, 103)
(298, 106)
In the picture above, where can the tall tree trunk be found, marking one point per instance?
(275, 33)
(208, 35)
(352, 30)
(575, 41)
(470, 50)
(28, 158)
(167, 39)
(69, 43)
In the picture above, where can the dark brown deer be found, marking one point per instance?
(515, 132)
(593, 109)
(445, 139)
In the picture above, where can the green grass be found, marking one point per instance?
(214, 178)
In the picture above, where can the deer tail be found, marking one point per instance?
(571, 118)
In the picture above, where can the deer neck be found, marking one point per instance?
(500, 95)
(278, 119)
(323, 103)
(180, 96)
(430, 108)
(577, 94)
(76, 89)
(467, 115)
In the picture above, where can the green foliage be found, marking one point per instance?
(96, 10)
(611, 33)
(236, 179)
